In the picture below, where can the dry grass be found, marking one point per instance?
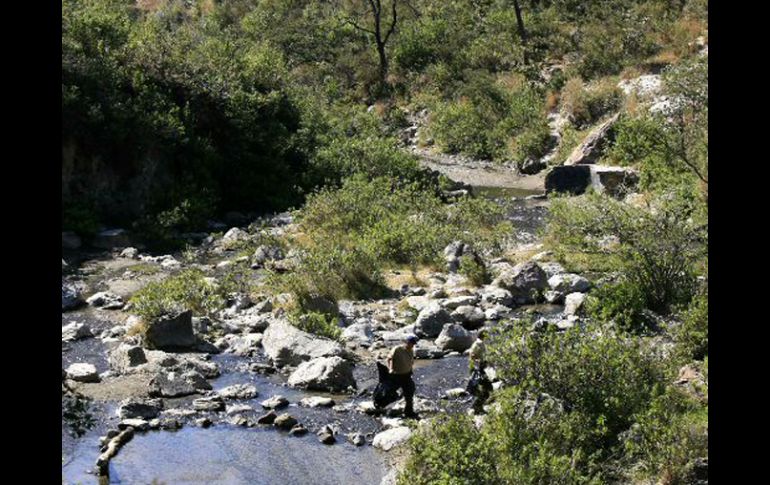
(552, 100)
(512, 81)
(396, 278)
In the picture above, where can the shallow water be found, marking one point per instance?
(503, 192)
(226, 454)
(263, 455)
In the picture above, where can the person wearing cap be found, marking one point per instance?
(400, 363)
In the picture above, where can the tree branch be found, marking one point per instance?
(351, 22)
(392, 23)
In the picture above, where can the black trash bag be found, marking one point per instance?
(386, 391)
(479, 383)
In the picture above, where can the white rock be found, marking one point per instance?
(82, 372)
(569, 283)
(317, 402)
(573, 303)
(391, 438)
(75, 331)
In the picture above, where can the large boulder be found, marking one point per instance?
(462, 300)
(175, 384)
(576, 179)
(171, 332)
(288, 345)
(234, 234)
(126, 357)
(238, 391)
(452, 254)
(525, 281)
(391, 438)
(106, 300)
(140, 408)
(469, 316)
(455, 337)
(359, 333)
(614, 181)
(82, 372)
(242, 345)
(573, 303)
(324, 374)
(75, 331)
(569, 283)
(265, 253)
(431, 320)
(592, 147)
(70, 295)
(398, 335)
(418, 302)
(493, 296)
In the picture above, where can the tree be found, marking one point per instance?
(377, 18)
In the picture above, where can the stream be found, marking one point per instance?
(229, 454)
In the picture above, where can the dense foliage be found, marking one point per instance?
(177, 111)
(349, 234)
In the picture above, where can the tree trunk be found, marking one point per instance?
(383, 64)
(520, 21)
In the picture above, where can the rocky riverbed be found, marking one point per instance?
(250, 399)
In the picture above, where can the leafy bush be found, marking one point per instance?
(623, 303)
(449, 451)
(657, 251)
(671, 147)
(692, 334)
(669, 436)
(602, 374)
(571, 397)
(331, 272)
(317, 323)
(81, 219)
(487, 118)
(188, 290)
(474, 269)
(373, 157)
(349, 234)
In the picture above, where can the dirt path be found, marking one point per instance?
(479, 173)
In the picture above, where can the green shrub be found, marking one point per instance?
(603, 375)
(451, 451)
(332, 273)
(669, 436)
(492, 122)
(80, 218)
(570, 396)
(537, 441)
(317, 323)
(692, 334)
(622, 303)
(372, 157)
(474, 269)
(533, 143)
(187, 290)
(462, 128)
(658, 252)
(351, 233)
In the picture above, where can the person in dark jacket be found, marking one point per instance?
(400, 362)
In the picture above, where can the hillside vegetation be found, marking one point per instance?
(176, 112)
